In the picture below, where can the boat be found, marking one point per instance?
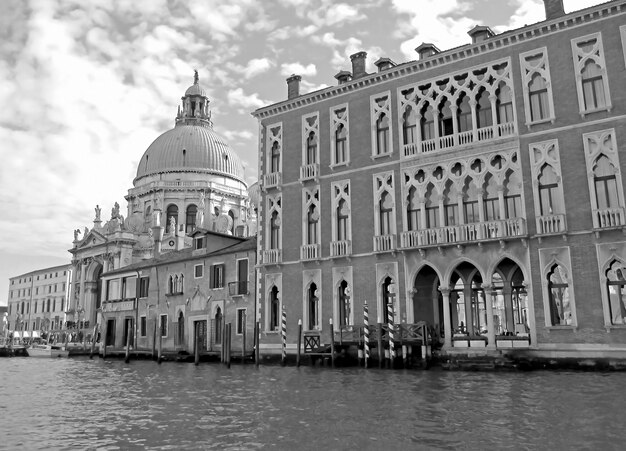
(46, 350)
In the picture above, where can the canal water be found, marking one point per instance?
(106, 404)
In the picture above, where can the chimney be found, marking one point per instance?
(358, 64)
(343, 77)
(293, 86)
(384, 64)
(480, 33)
(554, 9)
(426, 50)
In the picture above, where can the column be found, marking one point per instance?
(446, 317)
(494, 115)
(508, 307)
(473, 104)
(455, 125)
(491, 333)
(501, 202)
(481, 213)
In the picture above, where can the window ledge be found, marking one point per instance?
(272, 332)
(584, 113)
(573, 328)
(610, 327)
(381, 155)
(541, 121)
(334, 166)
(178, 293)
(216, 288)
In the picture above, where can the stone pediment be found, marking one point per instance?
(92, 239)
(198, 300)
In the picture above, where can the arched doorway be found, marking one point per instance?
(388, 297)
(180, 332)
(509, 299)
(468, 310)
(218, 326)
(427, 299)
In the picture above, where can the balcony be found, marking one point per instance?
(119, 305)
(490, 230)
(310, 252)
(272, 256)
(551, 224)
(608, 217)
(309, 172)
(340, 248)
(384, 243)
(461, 139)
(238, 288)
(272, 180)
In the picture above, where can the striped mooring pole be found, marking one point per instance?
(392, 350)
(366, 334)
(283, 332)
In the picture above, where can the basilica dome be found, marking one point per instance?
(192, 145)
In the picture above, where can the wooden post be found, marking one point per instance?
(243, 337)
(228, 346)
(257, 339)
(127, 357)
(160, 348)
(283, 333)
(197, 344)
(332, 343)
(154, 340)
(93, 341)
(299, 342)
(381, 352)
(104, 340)
(366, 335)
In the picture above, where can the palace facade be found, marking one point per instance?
(477, 189)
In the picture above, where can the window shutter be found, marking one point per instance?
(211, 271)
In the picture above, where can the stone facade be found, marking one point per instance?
(477, 189)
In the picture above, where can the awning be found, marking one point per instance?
(35, 334)
(25, 334)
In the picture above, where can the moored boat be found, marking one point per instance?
(46, 350)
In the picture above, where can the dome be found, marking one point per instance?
(195, 90)
(190, 148)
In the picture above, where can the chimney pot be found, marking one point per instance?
(480, 33)
(343, 77)
(426, 49)
(554, 9)
(384, 64)
(358, 64)
(293, 86)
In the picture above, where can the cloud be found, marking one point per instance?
(236, 97)
(330, 14)
(287, 69)
(257, 66)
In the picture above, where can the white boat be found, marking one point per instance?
(44, 350)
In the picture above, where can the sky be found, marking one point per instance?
(86, 86)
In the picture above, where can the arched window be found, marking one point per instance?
(386, 209)
(382, 134)
(504, 104)
(427, 123)
(170, 285)
(344, 304)
(312, 224)
(275, 231)
(232, 221)
(483, 110)
(548, 195)
(313, 307)
(413, 210)
(445, 119)
(341, 136)
(275, 155)
(274, 309)
(190, 218)
(616, 287)
(538, 96)
(342, 220)
(172, 212)
(148, 216)
(218, 326)
(464, 115)
(558, 294)
(605, 184)
(311, 149)
(179, 285)
(409, 126)
(593, 86)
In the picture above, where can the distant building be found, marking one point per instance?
(478, 189)
(38, 301)
(188, 178)
(178, 293)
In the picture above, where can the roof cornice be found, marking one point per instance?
(505, 39)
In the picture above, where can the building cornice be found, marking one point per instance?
(505, 39)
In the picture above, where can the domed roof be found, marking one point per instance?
(190, 148)
(195, 90)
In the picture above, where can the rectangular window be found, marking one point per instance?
(198, 271)
(129, 287)
(241, 320)
(217, 276)
(451, 216)
(142, 326)
(513, 206)
(492, 209)
(199, 243)
(432, 217)
(163, 325)
(144, 283)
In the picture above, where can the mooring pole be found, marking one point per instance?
(197, 345)
(243, 338)
(127, 356)
(381, 351)
(283, 332)
(229, 339)
(160, 348)
(332, 343)
(366, 334)
(104, 341)
(299, 342)
(154, 340)
(257, 340)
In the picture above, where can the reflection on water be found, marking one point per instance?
(96, 404)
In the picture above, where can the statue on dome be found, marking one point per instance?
(86, 232)
(172, 225)
(115, 211)
(195, 77)
(98, 210)
(76, 233)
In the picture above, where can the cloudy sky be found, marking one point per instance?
(86, 86)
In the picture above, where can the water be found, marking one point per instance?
(97, 404)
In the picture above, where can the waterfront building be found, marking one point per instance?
(38, 302)
(478, 189)
(188, 179)
(177, 294)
